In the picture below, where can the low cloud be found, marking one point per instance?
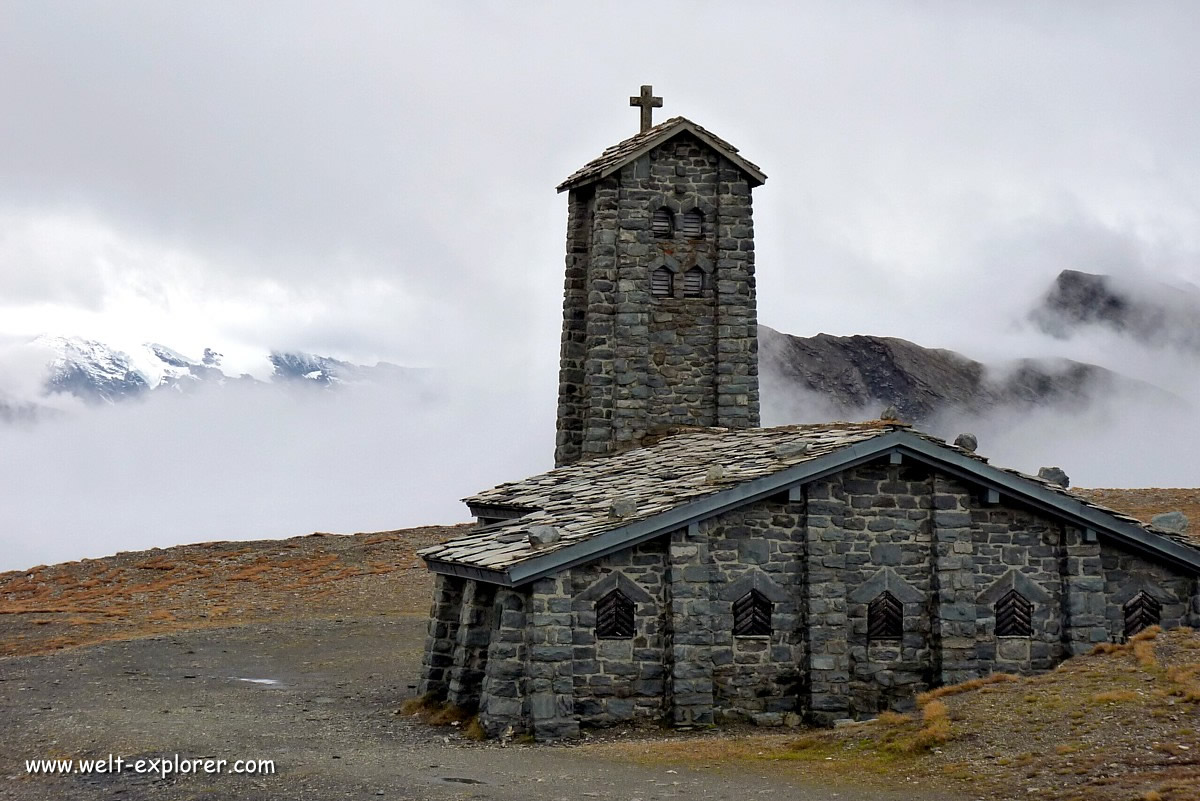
(254, 462)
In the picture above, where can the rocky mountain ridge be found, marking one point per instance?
(858, 376)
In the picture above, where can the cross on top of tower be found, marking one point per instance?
(648, 102)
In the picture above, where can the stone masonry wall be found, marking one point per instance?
(504, 706)
(549, 665)
(1009, 546)
(1125, 574)
(441, 637)
(631, 363)
(471, 645)
(758, 547)
(888, 547)
(618, 680)
(573, 351)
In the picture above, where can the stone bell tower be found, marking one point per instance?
(660, 326)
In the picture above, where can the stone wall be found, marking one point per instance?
(759, 547)
(471, 645)
(442, 636)
(617, 680)
(630, 362)
(1015, 548)
(1126, 574)
(550, 664)
(573, 350)
(504, 704)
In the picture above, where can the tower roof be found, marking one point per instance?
(620, 154)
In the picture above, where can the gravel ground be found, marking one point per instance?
(327, 719)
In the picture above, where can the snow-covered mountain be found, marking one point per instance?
(91, 370)
(99, 373)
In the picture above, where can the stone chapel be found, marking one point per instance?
(682, 564)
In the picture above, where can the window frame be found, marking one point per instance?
(1139, 604)
(623, 616)
(662, 213)
(670, 283)
(885, 613)
(755, 612)
(1014, 603)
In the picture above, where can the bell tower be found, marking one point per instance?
(660, 326)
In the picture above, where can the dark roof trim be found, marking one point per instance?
(468, 572)
(497, 512)
(950, 460)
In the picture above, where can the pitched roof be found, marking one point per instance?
(624, 152)
(671, 484)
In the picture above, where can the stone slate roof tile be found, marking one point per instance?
(578, 499)
(615, 157)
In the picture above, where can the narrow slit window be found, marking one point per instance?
(693, 224)
(1141, 612)
(662, 283)
(663, 223)
(693, 283)
(885, 618)
(752, 615)
(615, 616)
(1014, 615)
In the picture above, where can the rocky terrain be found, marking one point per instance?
(1153, 313)
(860, 375)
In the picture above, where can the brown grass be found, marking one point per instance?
(212, 584)
(964, 687)
(1109, 726)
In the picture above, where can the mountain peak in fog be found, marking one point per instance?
(1151, 312)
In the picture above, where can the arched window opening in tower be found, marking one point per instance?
(1014, 615)
(662, 283)
(693, 283)
(885, 618)
(752, 615)
(693, 224)
(1141, 612)
(663, 224)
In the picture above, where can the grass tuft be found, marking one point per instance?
(474, 730)
(964, 687)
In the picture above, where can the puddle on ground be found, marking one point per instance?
(256, 681)
(461, 780)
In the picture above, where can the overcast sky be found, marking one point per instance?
(376, 180)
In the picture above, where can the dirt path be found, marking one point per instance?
(328, 721)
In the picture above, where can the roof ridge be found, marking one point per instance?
(615, 156)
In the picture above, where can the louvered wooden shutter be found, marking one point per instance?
(663, 224)
(693, 282)
(1014, 615)
(614, 616)
(885, 618)
(693, 224)
(1141, 612)
(662, 282)
(752, 615)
